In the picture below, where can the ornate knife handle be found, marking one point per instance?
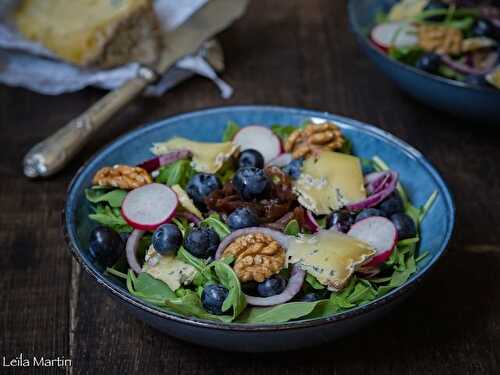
(52, 154)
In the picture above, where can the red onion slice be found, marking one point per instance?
(281, 160)
(164, 159)
(188, 216)
(294, 285)
(281, 238)
(131, 249)
(489, 64)
(311, 222)
(379, 185)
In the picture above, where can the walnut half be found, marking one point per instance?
(258, 257)
(313, 139)
(440, 39)
(122, 176)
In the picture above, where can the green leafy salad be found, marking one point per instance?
(268, 226)
(455, 39)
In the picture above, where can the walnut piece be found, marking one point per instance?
(440, 39)
(313, 139)
(257, 255)
(122, 176)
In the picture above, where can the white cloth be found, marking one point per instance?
(29, 65)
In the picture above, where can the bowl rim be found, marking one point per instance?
(69, 230)
(366, 42)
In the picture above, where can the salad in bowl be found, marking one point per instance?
(454, 39)
(269, 225)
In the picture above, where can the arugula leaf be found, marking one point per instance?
(235, 299)
(346, 147)
(114, 197)
(283, 131)
(148, 288)
(231, 129)
(182, 224)
(313, 282)
(226, 172)
(407, 55)
(190, 305)
(110, 217)
(177, 173)
(292, 228)
(214, 222)
(277, 314)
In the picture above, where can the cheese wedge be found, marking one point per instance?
(332, 257)
(168, 269)
(407, 9)
(102, 33)
(207, 157)
(330, 182)
(186, 202)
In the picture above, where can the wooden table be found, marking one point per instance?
(291, 53)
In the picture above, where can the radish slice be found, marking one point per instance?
(394, 34)
(155, 163)
(380, 233)
(259, 138)
(281, 238)
(131, 249)
(294, 285)
(149, 206)
(281, 161)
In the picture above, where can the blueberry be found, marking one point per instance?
(392, 204)
(271, 286)
(429, 62)
(200, 186)
(484, 27)
(212, 298)
(436, 5)
(251, 183)
(167, 238)
(313, 296)
(404, 225)
(242, 218)
(294, 168)
(340, 220)
(202, 242)
(105, 245)
(251, 158)
(369, 212)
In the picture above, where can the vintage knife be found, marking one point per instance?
(52, 154)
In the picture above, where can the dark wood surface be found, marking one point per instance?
(291, 53)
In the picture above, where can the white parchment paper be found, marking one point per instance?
(29, 65)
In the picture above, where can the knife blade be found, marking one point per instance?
(52, 154)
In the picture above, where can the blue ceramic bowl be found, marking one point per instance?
(474, 103)
(417, 175)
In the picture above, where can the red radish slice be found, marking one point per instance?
(282, 160)
(149, 206)
(155, 163)
(261, 139)
(380, 233)
(394, 34)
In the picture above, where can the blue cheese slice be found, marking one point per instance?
(207, 157)
(407, 9)
(329, 182)
(168, 269)
(186, 202)
(330, 256)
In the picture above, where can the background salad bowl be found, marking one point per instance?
(455, 97)
(416, 174)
